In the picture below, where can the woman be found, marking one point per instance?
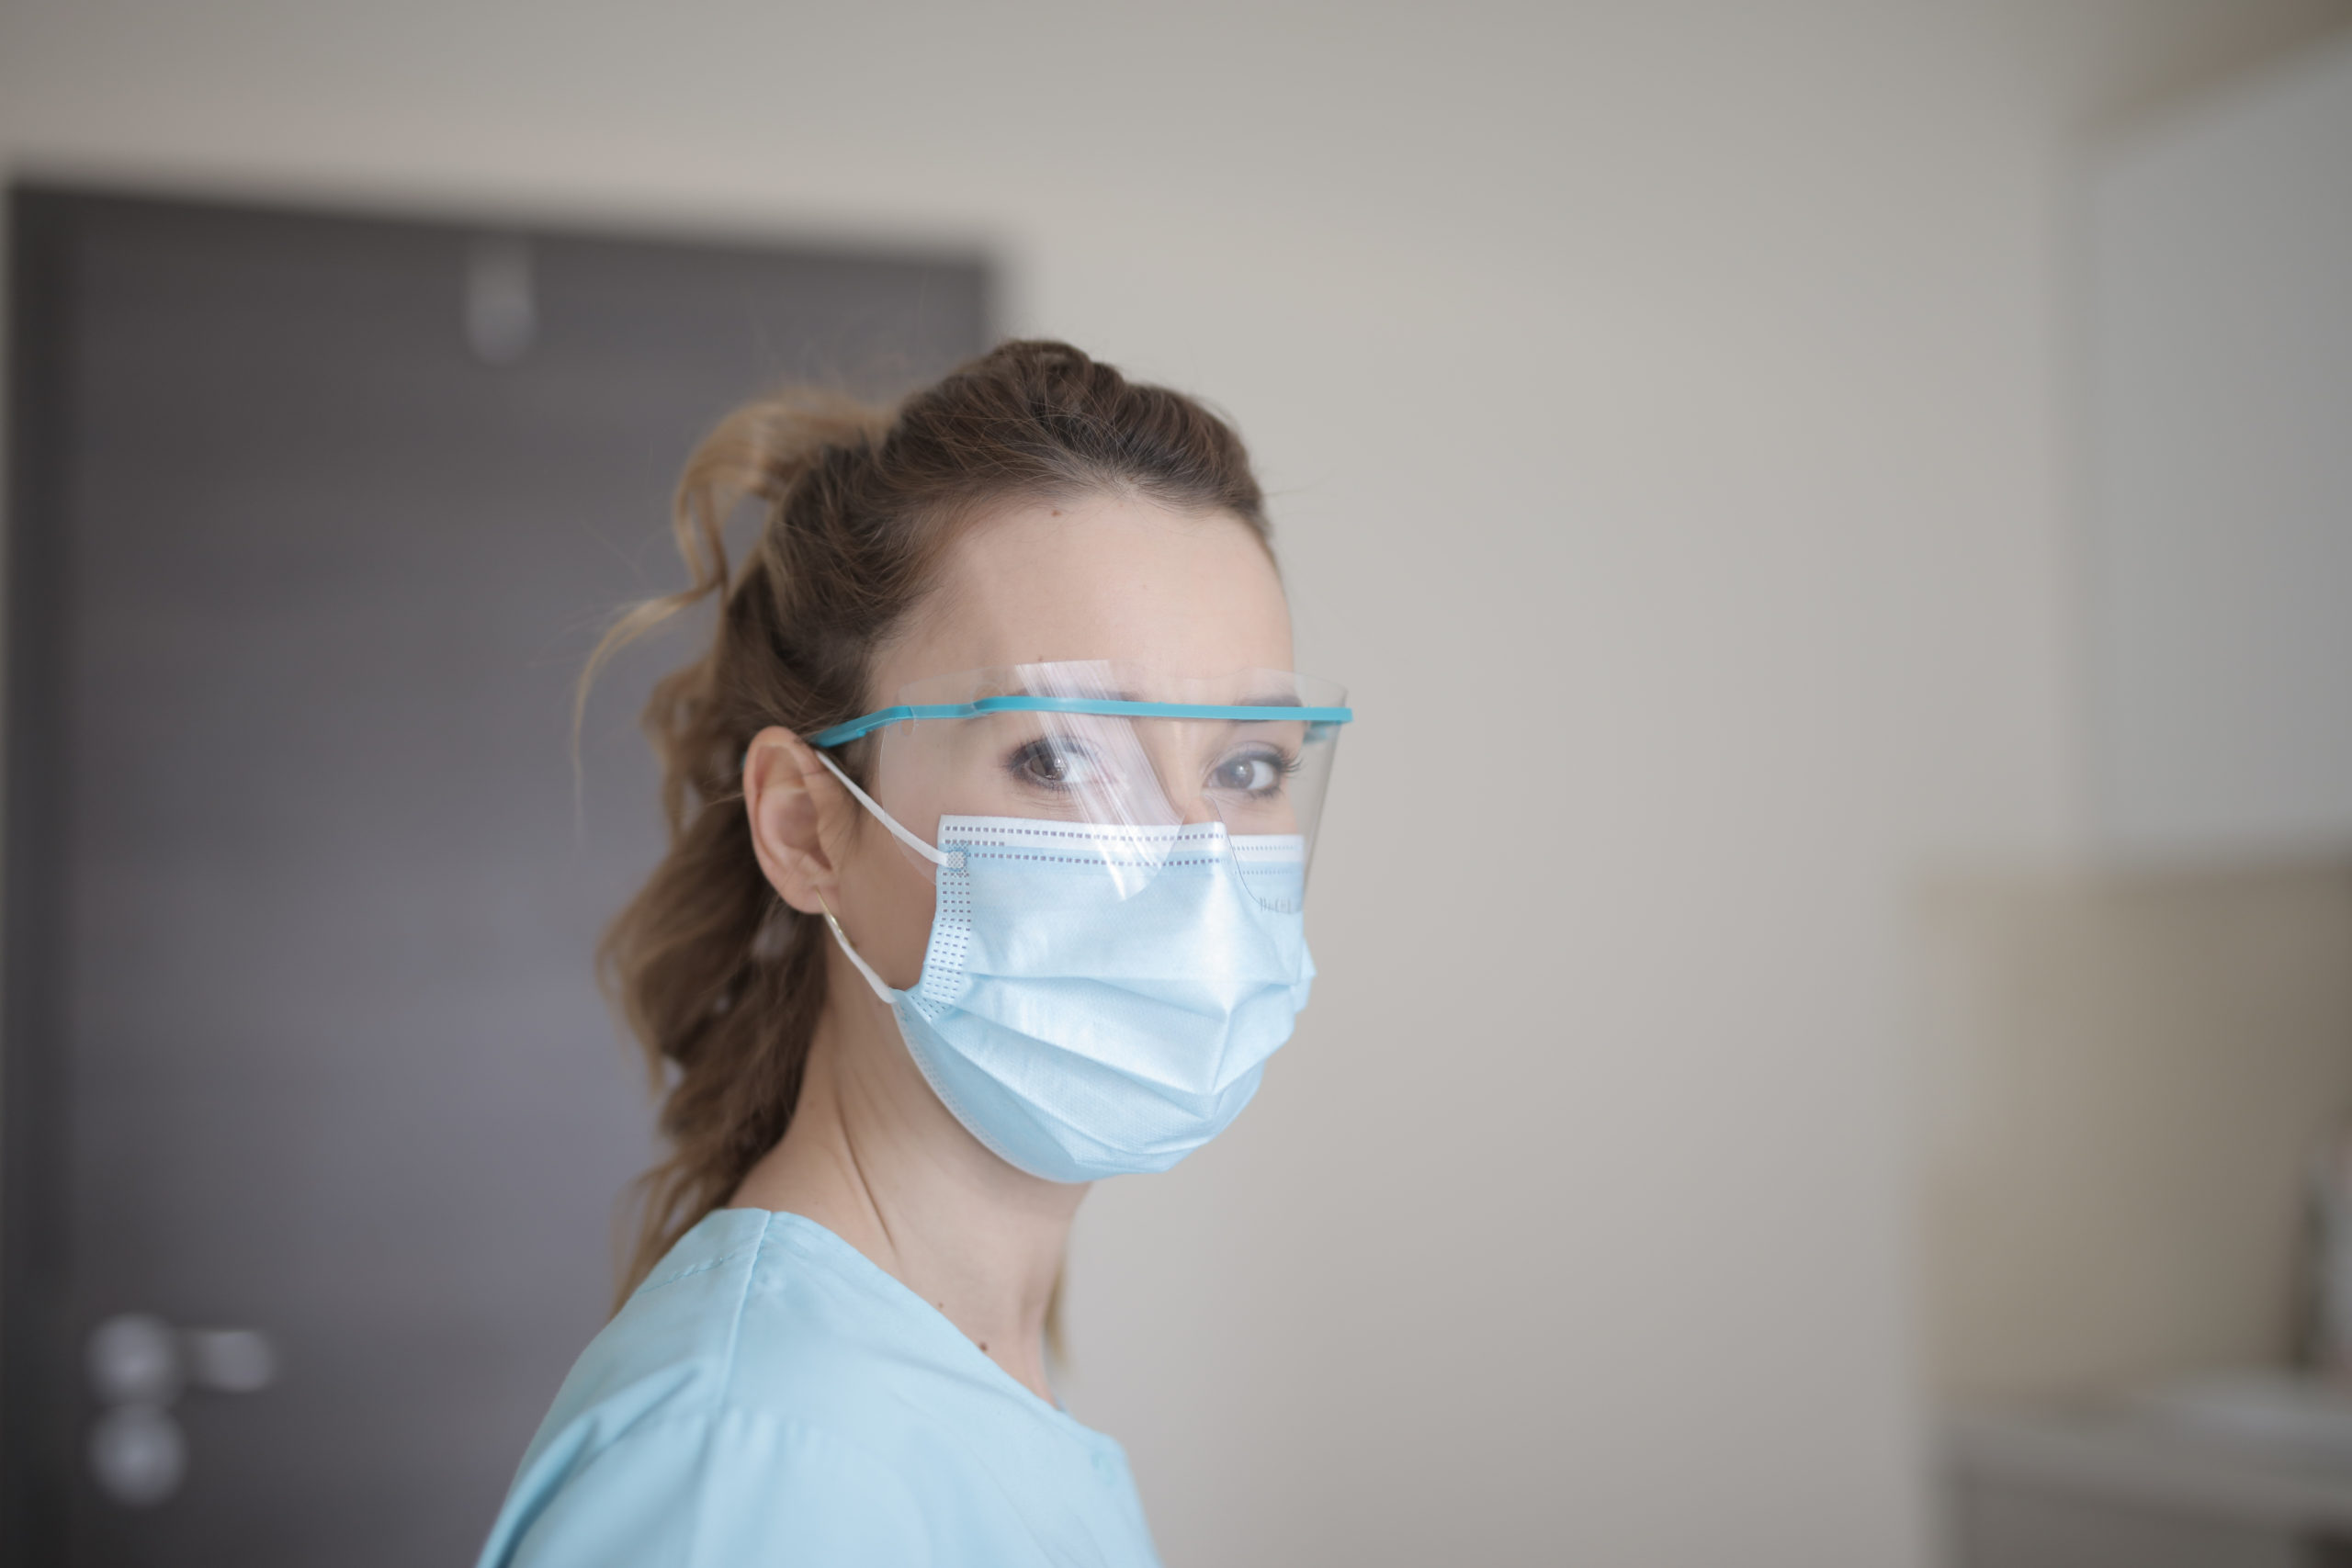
(989, 807)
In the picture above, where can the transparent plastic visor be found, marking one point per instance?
(1104, 768)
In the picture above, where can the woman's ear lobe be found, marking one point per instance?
(786, 793)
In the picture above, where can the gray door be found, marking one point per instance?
(312, 521)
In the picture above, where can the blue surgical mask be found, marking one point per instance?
(1098, 1001)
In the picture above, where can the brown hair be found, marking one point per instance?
(720, 981)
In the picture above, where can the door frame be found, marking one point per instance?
(38, 1362)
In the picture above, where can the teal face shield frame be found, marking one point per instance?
(1108, 746)
(1234, 713)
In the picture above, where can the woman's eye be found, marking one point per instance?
(1053, 766)
(1254, 773)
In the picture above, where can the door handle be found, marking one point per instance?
(139, 1366)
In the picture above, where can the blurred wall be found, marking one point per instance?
(2129, 1069)
(2129, 1076)
(2219, 340)
(1666, 409)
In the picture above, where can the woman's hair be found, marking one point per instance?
(720, 980)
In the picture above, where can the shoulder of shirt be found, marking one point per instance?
(765, 1363)
(763, 1312)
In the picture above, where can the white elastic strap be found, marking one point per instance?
(863, 967)
(951, 858)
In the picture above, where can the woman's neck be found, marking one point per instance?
(873, 1156)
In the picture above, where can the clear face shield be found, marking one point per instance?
(1153, 773)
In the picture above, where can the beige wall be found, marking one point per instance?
(1665, 406)
(2127, 1073)
(2127, 1078)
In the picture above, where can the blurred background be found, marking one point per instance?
(1834, 1035)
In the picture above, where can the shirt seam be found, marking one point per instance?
(726, 1384)
(657, 1281)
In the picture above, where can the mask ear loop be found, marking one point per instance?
(953, 860)
(863, 968)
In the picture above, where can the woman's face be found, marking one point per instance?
(1105, 579)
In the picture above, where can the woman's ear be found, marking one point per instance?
(800, 817)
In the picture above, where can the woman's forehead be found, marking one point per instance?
(1111, 578)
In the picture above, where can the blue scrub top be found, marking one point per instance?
(769, 1395)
